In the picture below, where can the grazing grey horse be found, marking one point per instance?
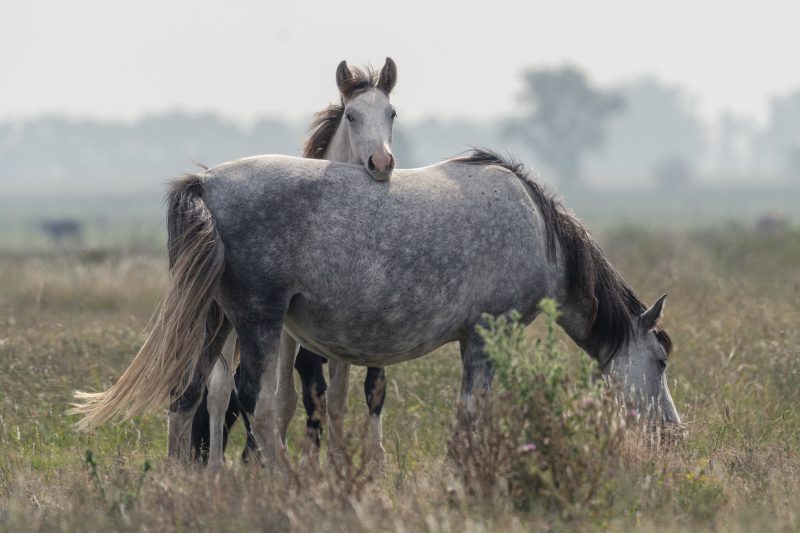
(358, 130)
(373, 273)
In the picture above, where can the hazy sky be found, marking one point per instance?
(106, 59)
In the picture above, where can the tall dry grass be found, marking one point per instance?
(733, 312)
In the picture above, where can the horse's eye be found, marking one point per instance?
(394, 114)
(349, 117)
(662, 363)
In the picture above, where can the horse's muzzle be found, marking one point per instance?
(380, 166)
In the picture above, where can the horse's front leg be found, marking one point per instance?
(476, 379)
(337, 406)
(375, 394)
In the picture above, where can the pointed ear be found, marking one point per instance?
(343, 77)
(649, 318)
(388, 76)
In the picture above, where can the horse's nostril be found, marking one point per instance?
(370, 164)
(390, 166)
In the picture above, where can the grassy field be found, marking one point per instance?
(73, 320)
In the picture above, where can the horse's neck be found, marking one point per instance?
(339, 147)
(577, 313)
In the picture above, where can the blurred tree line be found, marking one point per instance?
(67, 154)
(567, 127)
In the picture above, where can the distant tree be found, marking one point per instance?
(734, 144)
(434, 138)
(672, 173)
(778, 146)
(565, 118)
(658, 123)
(140, 155)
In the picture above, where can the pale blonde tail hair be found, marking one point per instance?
(184, 323)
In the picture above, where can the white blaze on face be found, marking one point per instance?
(640, 369)
(369, 118)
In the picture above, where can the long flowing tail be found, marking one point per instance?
(167, 361)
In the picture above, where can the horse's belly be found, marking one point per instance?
(370, 336)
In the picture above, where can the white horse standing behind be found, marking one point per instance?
(358, 131)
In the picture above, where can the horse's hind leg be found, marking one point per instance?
(200, 432)
(309, 367)
(260, 347)
(287, 395)
(375, 393)
(220, 386)
(234, 413)
(182, 409)
(201, 424)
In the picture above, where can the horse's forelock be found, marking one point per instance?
(360, 81)
(357, 91)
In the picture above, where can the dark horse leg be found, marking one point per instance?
(201, 432)
(375, 394)
(236, 407)
(309, 367)
(476, 379)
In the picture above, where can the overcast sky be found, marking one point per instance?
(244, 59)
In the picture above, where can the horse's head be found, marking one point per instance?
(368, 118)
(640, 368)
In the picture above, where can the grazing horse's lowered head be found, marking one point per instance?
(602, 313)
(358, 130)
(639, 368)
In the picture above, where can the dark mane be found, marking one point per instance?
(325, 122)
(586, 266)
(322, 130)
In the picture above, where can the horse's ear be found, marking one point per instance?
(649, 318)
(388, 76)
(343, 77)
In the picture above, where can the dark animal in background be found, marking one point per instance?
(63, 229)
